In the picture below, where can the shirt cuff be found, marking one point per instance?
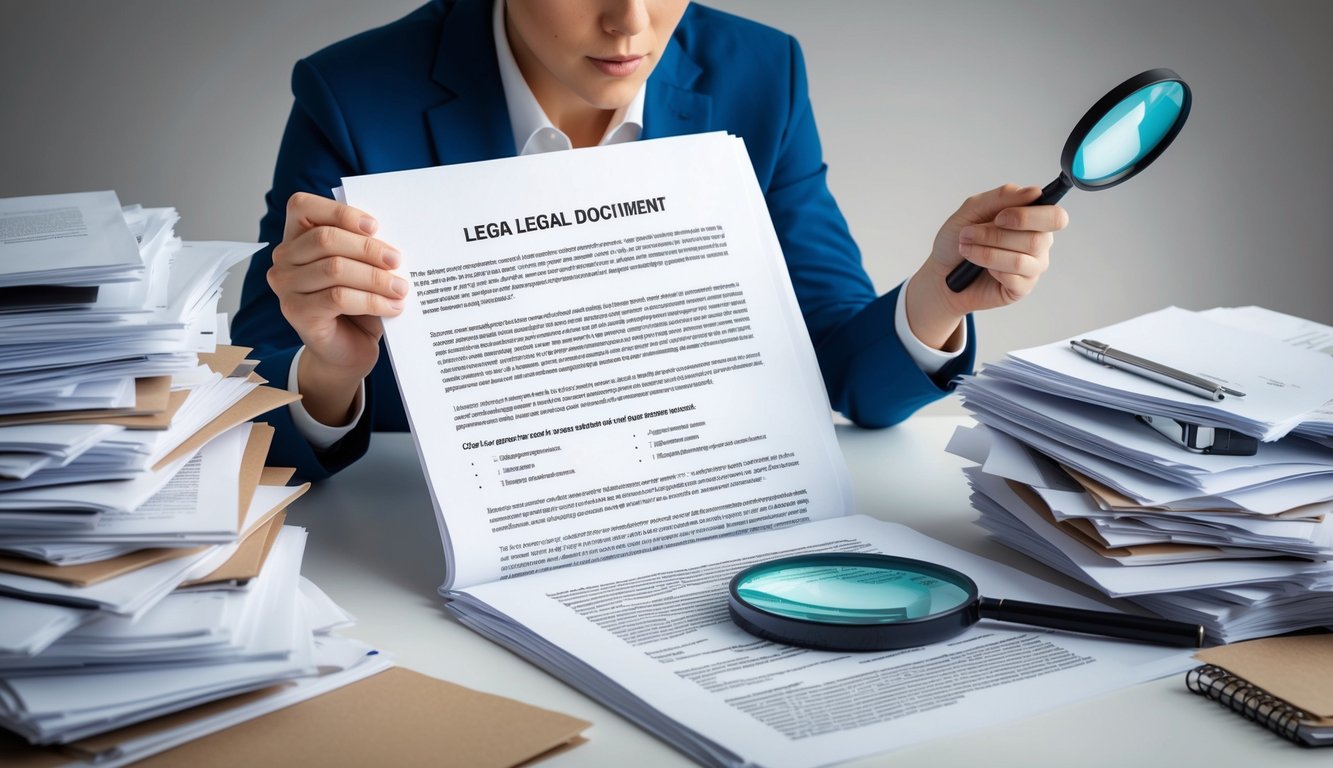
(320, 435)
(930, 360)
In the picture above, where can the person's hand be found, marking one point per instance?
(998, 231)
(334, 283)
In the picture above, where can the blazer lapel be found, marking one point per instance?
(473, 123)
(671, 106)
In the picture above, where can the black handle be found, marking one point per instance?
(963, 274)
(1122, 625)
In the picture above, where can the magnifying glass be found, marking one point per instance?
(866, 602)
(1121, 135)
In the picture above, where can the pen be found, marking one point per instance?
(1188, 382)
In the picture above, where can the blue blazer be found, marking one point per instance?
(425, 90)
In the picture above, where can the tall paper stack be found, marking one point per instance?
(144, 564)
(1069, 474)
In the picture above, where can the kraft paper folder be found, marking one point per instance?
(397, 717)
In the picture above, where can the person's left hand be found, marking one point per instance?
(998, 231)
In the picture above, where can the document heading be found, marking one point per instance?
(543, 221)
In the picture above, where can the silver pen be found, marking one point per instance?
(1188, 382)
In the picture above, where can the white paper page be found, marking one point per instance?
(199, 502)
(23, 525)
(70, 396)
(69, 239)
(72, 705)
(621, 380)
(203, 328)
(197, 272)
(202, 405)
(49, 360)
(1011, 459)
(201, 499)
(112, 458)
(19, 466)
(265, 499)
(272, 619)
(124, 496)
(971, 442)
(30, 627)
(333, 653)
(178, 615)
(1294, 331)
(321, 613)
(63, 441)
(89, 386)
(129, 594)
(1294, 537)
(657, 624)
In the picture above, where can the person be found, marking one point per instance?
(464, 80)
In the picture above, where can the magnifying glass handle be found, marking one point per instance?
(1128, 627)
(963, 274)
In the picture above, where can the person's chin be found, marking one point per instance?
(613, 95)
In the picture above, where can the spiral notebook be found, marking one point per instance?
(1283, 683)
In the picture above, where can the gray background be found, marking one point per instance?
(182, 103)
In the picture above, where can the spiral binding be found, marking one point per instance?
(1250, 701)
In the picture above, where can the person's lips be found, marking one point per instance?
(617, 66)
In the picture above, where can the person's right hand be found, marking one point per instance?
(334, 282)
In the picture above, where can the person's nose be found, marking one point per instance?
(626, 17)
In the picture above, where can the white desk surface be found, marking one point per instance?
(374, 548)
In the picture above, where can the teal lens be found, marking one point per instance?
(1128, 132)
(850, 594)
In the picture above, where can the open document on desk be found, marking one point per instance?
(617, 407)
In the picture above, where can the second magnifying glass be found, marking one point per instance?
(868, 602)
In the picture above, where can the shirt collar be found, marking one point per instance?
(533, 130)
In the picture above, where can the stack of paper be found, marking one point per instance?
(150, 594)
(1070, 474)
(119, 350)
(144, 564)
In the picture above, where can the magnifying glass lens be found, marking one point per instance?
(849, 594)
(1121, 135)
(1127, 133)
(846, 601)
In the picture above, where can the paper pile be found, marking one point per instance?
(144, 565)
(1072, 476)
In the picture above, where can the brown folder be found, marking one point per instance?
(397, 717)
